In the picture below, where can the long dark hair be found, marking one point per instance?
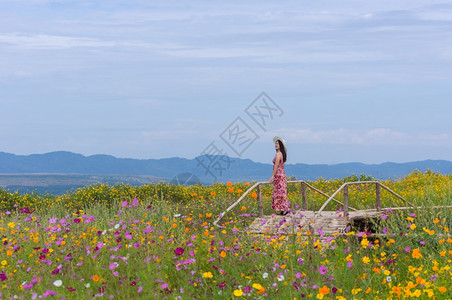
(283, 150)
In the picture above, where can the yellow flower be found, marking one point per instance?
(364, 243)
(413, 226)
(223, 254)
(257, 286)
(207, 275)
(238, 293)
(11, 225)
(4, 262)
(366, 260)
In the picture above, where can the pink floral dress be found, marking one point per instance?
(279, 195)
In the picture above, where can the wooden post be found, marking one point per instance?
(378, 196)
(260, 207)
(346, 201)
(303, 196)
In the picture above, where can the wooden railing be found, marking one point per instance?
(344, 188)
(260, 207)
(303, 190)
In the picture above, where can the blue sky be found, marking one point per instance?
(364, 81)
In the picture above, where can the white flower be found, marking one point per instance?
(58, 282)
(87, 285)
(265, 275)
(280, 277)
(117, 226)
(177, 215)
(388, 279)
(24, 283)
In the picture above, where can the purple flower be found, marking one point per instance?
(124, 203)
(323, 270)
(113, 266)
(135, 202)
(385, 230)
(179, 251)
(140, 288)
(407, 249)
(26, 210)
(349, 264)
(3, 276)
(164, 286)
(300, 261)
(48, 293)
(383, 216)
(77, 220)
(136, 245)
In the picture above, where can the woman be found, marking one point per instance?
(279, 196)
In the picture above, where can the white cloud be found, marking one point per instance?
(44, 41)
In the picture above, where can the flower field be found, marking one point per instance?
(158, 241)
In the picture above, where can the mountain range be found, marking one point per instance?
(221, 169)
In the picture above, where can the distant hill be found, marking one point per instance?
(175, 169)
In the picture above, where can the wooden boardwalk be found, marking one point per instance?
(328, 222)
(319, 222)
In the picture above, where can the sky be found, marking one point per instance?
(340, 81)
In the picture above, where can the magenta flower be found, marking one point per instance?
(407, 249)
(135, 202)
(77, 220)
(349, 264)
(323, 270)
(140, 289)
(3, 276)
(113, 266)
(26, 210)
(179, 251)
(385, 230)
(136, 245)
(124, 203)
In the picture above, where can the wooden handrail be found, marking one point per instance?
(260, 206)
(345, 188)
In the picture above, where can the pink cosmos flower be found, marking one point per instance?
(323, 270)
(113, 266)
